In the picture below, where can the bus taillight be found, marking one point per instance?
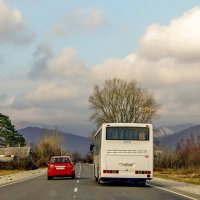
(111, 171)
(142, 172)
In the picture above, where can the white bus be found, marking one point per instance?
(123, 152)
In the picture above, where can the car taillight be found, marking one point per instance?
(50, 166)
(69, 165)
(111, 171)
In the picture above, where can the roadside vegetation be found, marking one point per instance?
(9, 172)
(182, 164)
(50, 144)
(182, 175)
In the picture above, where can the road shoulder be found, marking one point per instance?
(175, 186)
(12, 178)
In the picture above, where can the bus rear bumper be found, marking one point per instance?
(132, 180)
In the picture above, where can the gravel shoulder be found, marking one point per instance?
(8, 179)
(181, 187)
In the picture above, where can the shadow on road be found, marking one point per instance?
(122, 184)
(61, 178)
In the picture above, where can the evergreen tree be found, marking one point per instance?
(8, 134)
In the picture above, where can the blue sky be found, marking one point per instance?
(52, 53)
(122, 25)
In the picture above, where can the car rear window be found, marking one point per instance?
(60, 160)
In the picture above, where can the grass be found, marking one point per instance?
(9, 172)
(188, 176)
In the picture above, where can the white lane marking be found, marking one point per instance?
(76, 189)
(79, 174)
(80, 171)
(25, 179)
(172, 191)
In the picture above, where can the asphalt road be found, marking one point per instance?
(83, 187)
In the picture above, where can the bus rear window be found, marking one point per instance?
(127, 133)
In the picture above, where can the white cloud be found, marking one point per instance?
(40, 62)
(61, 84)
(85, 19)
(65, 83)
(80, 21)
(174, 84)
(66, 64)
(12, 29)
(161, 73)
(49, 92)
(6, 101)
(58, 30)
(179, 39)
(167, 63)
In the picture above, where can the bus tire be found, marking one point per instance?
(99, 180)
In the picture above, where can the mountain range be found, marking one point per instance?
(170, 130)
(166, 137)
(71, 142)
(169, 139)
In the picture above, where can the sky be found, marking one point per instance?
(53, 53)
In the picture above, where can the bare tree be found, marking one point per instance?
(49, 145)
(121, 101)
(76, 156)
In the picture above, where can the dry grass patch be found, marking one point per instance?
(9, 172)
(188, 176)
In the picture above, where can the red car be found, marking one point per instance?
(60, 166)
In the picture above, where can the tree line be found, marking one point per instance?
(186, 156)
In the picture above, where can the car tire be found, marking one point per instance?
(49, 177)
(73, 176)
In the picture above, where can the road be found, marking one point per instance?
(83, 187)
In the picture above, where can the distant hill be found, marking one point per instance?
(170, 130)
(162, 131)
(71, 142)
(180, 127)
(82, 129)
(170, 141)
